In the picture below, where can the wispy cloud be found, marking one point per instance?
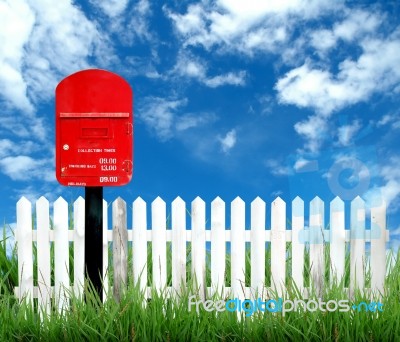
(195, 68)
(242, 26)
(166, 117)
(228, 141)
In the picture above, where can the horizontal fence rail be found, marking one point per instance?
(209, 248)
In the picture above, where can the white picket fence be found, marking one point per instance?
(314, 234)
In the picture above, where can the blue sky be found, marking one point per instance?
(231, 98)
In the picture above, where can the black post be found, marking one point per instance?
(94, 237)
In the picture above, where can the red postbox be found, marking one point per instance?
(94, 129)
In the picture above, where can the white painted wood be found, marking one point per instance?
(378, 247)
(278, 245)
(357, 244)
(298, 242)
(43, 255)
(159, 248)
(25, 256)
(178, 245)
(105, 251)
(257, 236)
(198, 245)
(79, 246)
(218, 245)
(120, 247)
(337, 240)
(238, 248)
(317, 244)
(139, 227)
(218, 237)
(61, 254)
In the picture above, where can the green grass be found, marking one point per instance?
(137, 319)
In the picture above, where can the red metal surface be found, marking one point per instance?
(94, 129)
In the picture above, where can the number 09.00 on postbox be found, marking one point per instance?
(94, 129)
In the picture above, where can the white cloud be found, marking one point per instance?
(313, 129)
(189, 66)
(6, 146)
(111, 8)
(165, 118)
(43, 41)
(245, 26)
(347, 132)
(17, 20)
(231, 78)
(228, 141)
(375, 71)
(134, 24)
(24, 168)
(187, 121)
(390, 190)
(356, 25)
(389, 119)
(323, 40)
(356, 81)
(277, 168)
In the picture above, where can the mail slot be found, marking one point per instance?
(94, 129)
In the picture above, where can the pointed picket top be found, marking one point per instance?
(357, 218)
(80, 201)
(23, 201)
(316, 206)
(257, 202)
(42, 201)
(278, 201)
(198, 206)
(358, 203)
(60, 202)
(218, 215)
(198, 201)
(278, 206)
(118, 202)
(157, 202)
(257, 216)
(237, 203)
(337, 204)
(79, 216)
(298, 207)
(217, 201)
(178, 202)
(139, 203)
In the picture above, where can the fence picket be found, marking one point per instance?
(218, 245)
(178, 245)
(198, 253)
(139, 227)
(159, 247)
(357, 244)
(378, 247)
(278, 245)
(257, 237)
(337, 239)
(105, 251)
(317, 259)
(61, 254)
(43, 254)
(238, 262)
(25, 256)
(298, 243)
(120, 247)
(238, 236)
(79, 246)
